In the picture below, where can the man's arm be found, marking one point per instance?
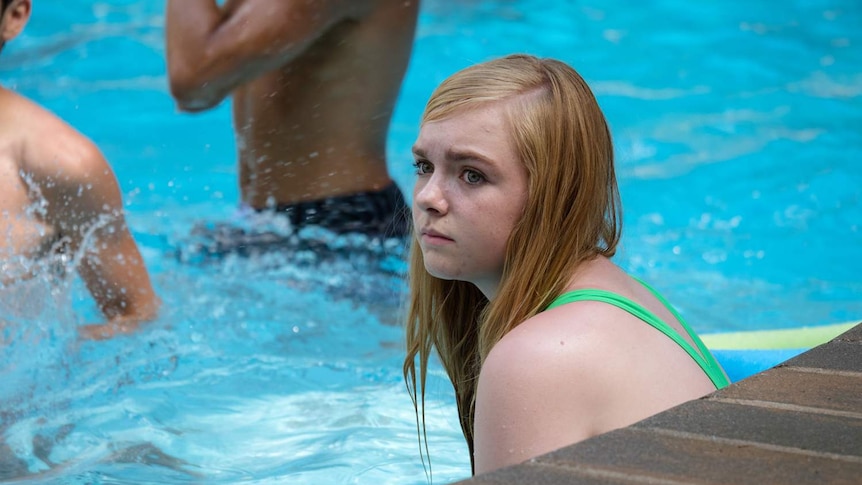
(85, 204)
(211, 50)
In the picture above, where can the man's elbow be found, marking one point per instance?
(191, 92)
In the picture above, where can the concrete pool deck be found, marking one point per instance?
(799, 422)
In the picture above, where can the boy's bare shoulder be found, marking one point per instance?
(48, 145)
(21, 110)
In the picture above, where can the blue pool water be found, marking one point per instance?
(738, 129)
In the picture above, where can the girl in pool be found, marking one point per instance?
(516, 216)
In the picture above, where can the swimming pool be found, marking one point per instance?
(738, 139)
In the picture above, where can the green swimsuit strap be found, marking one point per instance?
(704, 359)
(707, 355)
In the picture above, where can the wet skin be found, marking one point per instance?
(313, 84)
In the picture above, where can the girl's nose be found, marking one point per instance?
(429, 195)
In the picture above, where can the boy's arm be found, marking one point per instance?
(211, 49)
(85, 204)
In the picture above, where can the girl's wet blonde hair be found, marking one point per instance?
(572, 214)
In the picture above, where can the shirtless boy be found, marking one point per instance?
(314, 85)
(58, 195)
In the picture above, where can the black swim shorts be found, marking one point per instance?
(382, 213)
(366, 222)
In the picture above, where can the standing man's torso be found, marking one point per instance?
(317, 127)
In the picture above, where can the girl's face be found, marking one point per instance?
(470, 191)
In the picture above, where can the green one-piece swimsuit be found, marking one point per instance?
(704, 359)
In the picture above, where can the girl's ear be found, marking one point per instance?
(14, 19)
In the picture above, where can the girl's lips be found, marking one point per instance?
(435, 237)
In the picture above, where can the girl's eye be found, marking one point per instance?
(473, 177)
(423, 167)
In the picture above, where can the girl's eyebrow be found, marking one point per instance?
(455, 155)
(466, 155)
